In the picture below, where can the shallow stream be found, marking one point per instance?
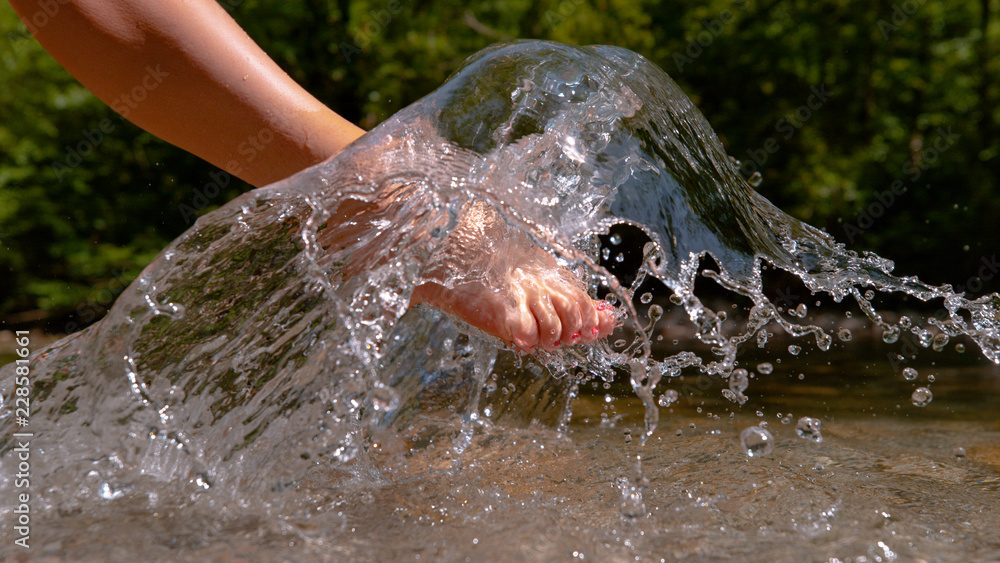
(890, 481)
(263, 389)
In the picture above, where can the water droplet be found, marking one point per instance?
(668, 398)
(605, 252)
(869, 295)
(756, 441)
(940, 341)
(648, 249)
(905, 322)
(619, 343)
(922, 396)
(646, 297)
(924, 336)
(823, 341)
(655, 312)
(632, 506)
(620, 257)
(958, 452)
(801, 310)
(890, 334)
(755, 179)
(794, 349)
(930, 378)
(765, 368)
(676, 299)
(808, 428)
(491, 387)
(844, 335)
(609, 398)
(628, 436)
(960, 348)
(615, 239)
(761, 338)
(739, 380)
(909, 374)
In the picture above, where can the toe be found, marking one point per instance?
(606, 320)
(569, 307)
(590, 321)
(522, 328)
(549, 325)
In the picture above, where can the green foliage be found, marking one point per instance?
(853, 96)
(86, 198)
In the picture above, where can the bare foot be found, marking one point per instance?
(538, 309)
(501, 283)
(537, 303)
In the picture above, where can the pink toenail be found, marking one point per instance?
(594, 330)
(557, 343)
(576, 335)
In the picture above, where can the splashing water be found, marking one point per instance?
(922, 396)
(277, 332)
(757, 441)
(808, 427)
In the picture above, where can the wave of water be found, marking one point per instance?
(275, 335)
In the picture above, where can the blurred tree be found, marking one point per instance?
(86, 198)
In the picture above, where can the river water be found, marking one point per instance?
(262, 390)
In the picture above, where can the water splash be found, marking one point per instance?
(277, 331)
(809, 428)
(922, 396)
(757, 441)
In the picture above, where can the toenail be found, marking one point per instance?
(576, 335)
(594, 330)
(557, 343)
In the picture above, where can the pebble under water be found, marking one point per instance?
(264, 390)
